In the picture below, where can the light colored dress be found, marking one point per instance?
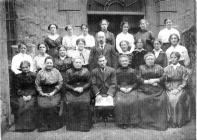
(69, 42)
(183, 52)
(176, 78)
(16, 61)
(128, 37)
(165, 33)
(39, 62)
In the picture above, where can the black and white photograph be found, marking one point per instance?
(98, 69)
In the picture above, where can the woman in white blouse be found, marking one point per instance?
(165, 33)
(21, 56)
(39, 59)
(69, 40)
(89, 39)
(124, 35)
(176, 47)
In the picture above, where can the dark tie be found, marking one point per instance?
(102, 49)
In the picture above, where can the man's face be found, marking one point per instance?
(104, 25)
(102, 62)
(101, 38)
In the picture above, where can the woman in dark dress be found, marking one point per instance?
(126, 107)
(145, 35)
(138, 54)
(160, 55)
(25, 86)
(48, 84)
(151, 95)
(53, 40)
(179, 100)
(78, 97)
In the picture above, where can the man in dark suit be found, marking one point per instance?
(102, 49)
(103, 79)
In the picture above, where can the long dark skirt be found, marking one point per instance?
(152, 107)
(126, 108)
(25, 120)
(178, 108)
(78, 112)
(49, 119)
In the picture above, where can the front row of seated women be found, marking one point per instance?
(152, 98)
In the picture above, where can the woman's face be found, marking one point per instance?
(70, 30)
(143, 24)
(42, 48)
(174, 59)
(124, 61)
(104, 25)
(23, 49)
(53, 29)
(157, 45)
(25, 68)
(124, 46)
(49, 64)
(81, 45)
(168, 23)
(150, 60)
(77, 63)
(125, 28)
(84, 30)
(62, 52)
(139, 44)
(174, 40)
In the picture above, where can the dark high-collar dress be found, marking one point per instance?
(147, 37)
(25, 86)
(161, 59)
(138, 58)
(152, 99)
(53, 45)
(78, 104)
(126, 104)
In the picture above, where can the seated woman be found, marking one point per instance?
(53, 40)
(124, 45)
(151, 95)
(138, 54)
(179, 101)
(21, 56)
(39, 59)
(126, 111)
(48, 84)
(78, 97)
(80, 52)
(25, 86)
(160, 55)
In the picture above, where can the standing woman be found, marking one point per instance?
(145, 35)
(39, 59)
(53, 40)
(89, 39)
(21, 56)
(179, 101)
(165, 33)
(26, 92)
(110, 39)
(138, 54)
(126, 107)
(175, 46)
(151, 95)
(124, 35)
(69, 40)
(48, 84)
(78, 97)
(160, 55)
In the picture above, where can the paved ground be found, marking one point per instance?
(110, 132)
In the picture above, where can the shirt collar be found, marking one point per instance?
(175, 66)
(160, 50)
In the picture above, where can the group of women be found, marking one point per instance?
(54, 88)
